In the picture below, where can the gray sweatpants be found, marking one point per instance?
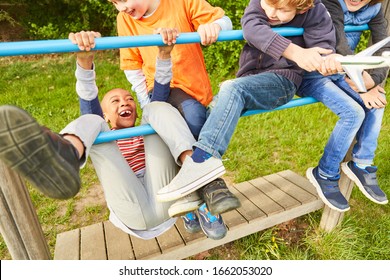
(132, 199)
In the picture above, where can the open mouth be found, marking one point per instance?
(125, 114)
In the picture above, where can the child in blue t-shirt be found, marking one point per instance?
(360, 114)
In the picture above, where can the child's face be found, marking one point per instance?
(278, 15)
(355, 5)
(119, 108)
(134, 8)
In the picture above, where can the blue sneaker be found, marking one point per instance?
(366, 180)
(191, 222)
(328, 190)
(212, 226)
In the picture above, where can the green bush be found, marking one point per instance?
(222, 58)
(54, 19)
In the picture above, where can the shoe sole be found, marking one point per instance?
(201, 182)
(310, 176)
(182, 209)
(347, 171)
(27, 151)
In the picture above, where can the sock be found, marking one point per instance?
(200, 156)
(362, 166)
(326, 176)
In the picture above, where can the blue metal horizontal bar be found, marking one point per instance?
(64, 45)
(105, 43)
(147, 129)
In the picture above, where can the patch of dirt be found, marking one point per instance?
(292, 231)
(94, 197)
(89, 207)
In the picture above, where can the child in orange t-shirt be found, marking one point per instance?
(190, 84)
(190, 88)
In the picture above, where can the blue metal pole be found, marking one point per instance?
(147, 129)
(64, 45)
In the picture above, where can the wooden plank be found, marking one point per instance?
(386, 11)
(170, 240)
(145, 248)
(68, 245)
(178, 244)
(289, 188)
(240, 231)
(299, 181)
(233, 219)
(262, 201)
(284, 200)
(93, 245)
(19, 224)
(118, 243)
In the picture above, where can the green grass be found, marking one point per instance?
(262, 144)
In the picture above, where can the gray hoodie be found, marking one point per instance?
(264, 47)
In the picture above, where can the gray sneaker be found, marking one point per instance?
(191, 176)
(47, 160)
(366, 181)
(191, 222)
(212, 226)
(218, 198)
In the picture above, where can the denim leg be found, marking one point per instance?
(351, 115)
(90, 106)
(261, 91)
(363, 151)
(367, 137)
(193, 112)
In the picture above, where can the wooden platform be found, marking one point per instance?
(266, 202)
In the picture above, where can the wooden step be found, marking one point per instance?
(266, 201)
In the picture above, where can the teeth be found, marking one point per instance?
(124, 112)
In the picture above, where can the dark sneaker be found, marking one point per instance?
(366, 180)
(47, 160)
(191, 222)
(328, 190)
(212, 226)
(218, 197)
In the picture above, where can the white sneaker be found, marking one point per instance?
(189, 203)
(191, 177)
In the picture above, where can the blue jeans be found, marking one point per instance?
(193, 112)
(355, 120)
(260, 91)
(90, 107)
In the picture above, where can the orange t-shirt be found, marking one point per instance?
(189, 70)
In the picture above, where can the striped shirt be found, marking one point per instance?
(133, 151)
